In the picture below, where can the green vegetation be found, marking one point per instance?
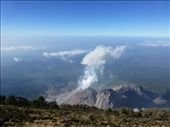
(20, 101)
(39, 113)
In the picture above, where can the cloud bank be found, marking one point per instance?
(156, 45)
(94, 63)
(65, 55)
(14, 48)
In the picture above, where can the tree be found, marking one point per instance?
(35, 103)
(2, 99)
(41, 99)
(109, 110)
(22, 101)
(11, 100)
(40, 102)
(52, 105)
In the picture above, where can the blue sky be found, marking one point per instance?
(85, 18)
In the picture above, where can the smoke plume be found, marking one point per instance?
(94, 63)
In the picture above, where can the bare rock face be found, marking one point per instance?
(87, 97)
(109, 98)
(128, 90)
(131, 96)
(105, 99)
(125, 96)
(136, 96)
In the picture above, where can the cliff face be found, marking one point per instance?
(106, 99)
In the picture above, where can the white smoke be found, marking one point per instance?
(94, 63)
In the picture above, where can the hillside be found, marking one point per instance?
(81, 116)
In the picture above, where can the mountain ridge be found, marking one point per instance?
(131, 96)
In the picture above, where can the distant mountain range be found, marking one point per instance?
(131, 96)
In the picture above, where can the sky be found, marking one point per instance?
(85, 18)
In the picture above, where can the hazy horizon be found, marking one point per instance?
(62, 46)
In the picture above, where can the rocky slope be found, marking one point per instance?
(87, 97)
(131, 96)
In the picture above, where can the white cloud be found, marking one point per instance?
(159, 101)
(156, 45)
(94, 63)
(146, 41)
(65, 55)
(14, 48)
(17, 59)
